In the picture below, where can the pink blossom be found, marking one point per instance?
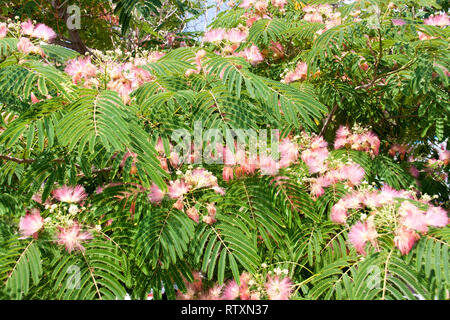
(34, 99)
(261, 6)
(444, 155)
(193, 214)
(80, 68)
(70, 194)
(440, 20)
(156, 194)
(339, 213)
(278, 289)
(404, 239)
(214, 35)
(300, 73)
(268, 166)
(279, 3)
(424, 36)
(436, 217)
(177, 189)
(236, 35)
(30, 224)
(44, 32)
(72, 238)
(3, 30)
(313, 17)
(398, 22)
(179, 205)
(27, 27)
(26, 46)
(211, 209)
(354, 173)
(412, 217)
(343, 132)
(227, 173)
(231, 291)
(360, 233)
(253, 55)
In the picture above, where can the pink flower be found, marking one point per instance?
(412, 217)
(398, 22)
(214, 35)
(70, 194)
(279, 3)
(193, 214)
(27, 27)
(424, 36)
(72, 238)
(354, 173)
(211, 209)
(34, 99)
(253, 55)
(278, 289)
(236, 35)
(30, 224)
(43, 32)
(404, 239)
(342, 132)
(3, 30)
(156, 194)
(231, 291)
(436, 217)
(339, 213)
(268, 166)
(360, 233)
(313, 17)
(177, 189)
(300, 73)
(26, 46)
(227, 173)
(80, 68)
(440, 20)
(179, 205)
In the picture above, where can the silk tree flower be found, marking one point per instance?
(231, 291)
(156, 194)
(227, 173)
(398, 22)
(235, 35)
(339, 213)
(436, 217)
(177, 189)
(440, 20)
(44, 32)
(71, 237)
(30, 224)
(252, 55)
(300, 73)
(268, 166)
(278, 289)
(362, 232)
(214, 35)
(80, 68)
(27, 27)
(26, 46)
(353, 173)
(279, 3)
(70, 194)
(412, 217)
(3, 30)
(404, 239)
(193, 214)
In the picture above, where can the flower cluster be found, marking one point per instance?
(29, 35)
(358, 138)
(123, 78)
(61, 218)
(399, 212)
(275, 286)
(322, 14)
